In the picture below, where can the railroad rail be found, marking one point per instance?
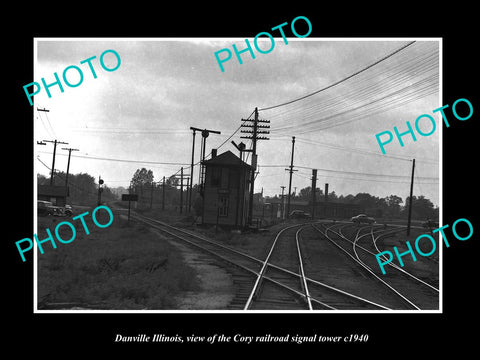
(391, 282)
(306, 289)
(291, 288)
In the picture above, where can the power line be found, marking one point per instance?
(352, 172)
(391, 100)
(412, 75)
(340, 81)
(362, 151)
(50, 128)
(391, 75)
(120, 160)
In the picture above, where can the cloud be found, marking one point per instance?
(172, 84)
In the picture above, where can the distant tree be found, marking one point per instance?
(365, 200)
(393, 204)
(332, 197)
(42, 180)
(349, 199)
(422, 208)
(173, 181)
(82, 186)
(305, 194)
(142, 177)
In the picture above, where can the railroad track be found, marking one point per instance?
(284, 264)
(243, 271)
(413, 292)
(276, 283)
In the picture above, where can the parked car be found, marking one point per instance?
(362, 218)
(299, 214)
(430, 224)
(45, 208)
(58, 211)
(68, 210)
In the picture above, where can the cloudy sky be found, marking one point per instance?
(140, 114)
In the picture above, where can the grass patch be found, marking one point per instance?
(124, 266)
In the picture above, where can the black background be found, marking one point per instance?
(403, 334)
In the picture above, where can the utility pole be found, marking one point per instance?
(163, 194)
(291, 172)
(68, 169)
(256, 130)
(181, 190)
(191, 171)
(282, 212)
(55, 142)
(410, 200)
(314, 188)
(151, 195)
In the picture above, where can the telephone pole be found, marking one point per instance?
(68, 168)
(410, 202)
(255, 131)
(151, 194)
(163, 194)
(314, 187)
(191, 171)
(283, 203)
(290, 170)
(55, 142)
(181, 190)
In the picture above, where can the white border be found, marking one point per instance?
(314, 312)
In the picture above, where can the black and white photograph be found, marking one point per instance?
(236, 181)
(259, 187)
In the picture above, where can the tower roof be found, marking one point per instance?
(226, 159)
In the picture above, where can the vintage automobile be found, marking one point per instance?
(362, 218)
(430, 224)
(45, 208)
(299, 214)
(68, 210)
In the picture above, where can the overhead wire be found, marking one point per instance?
(49, 129)
(390, 75)
(342, 80)
(414, 90)
(363, 97)
(118, 160)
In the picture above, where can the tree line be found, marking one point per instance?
(83, 189)
(389, 206)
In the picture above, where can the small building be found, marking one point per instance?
(226, 190)
(57, 195)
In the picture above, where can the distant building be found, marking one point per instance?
(57, 195)
(322, 209)
(336, 210)
(225, 192)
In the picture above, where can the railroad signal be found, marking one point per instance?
(100, 189)
(205, 134)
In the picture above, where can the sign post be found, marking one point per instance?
(129, 198)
